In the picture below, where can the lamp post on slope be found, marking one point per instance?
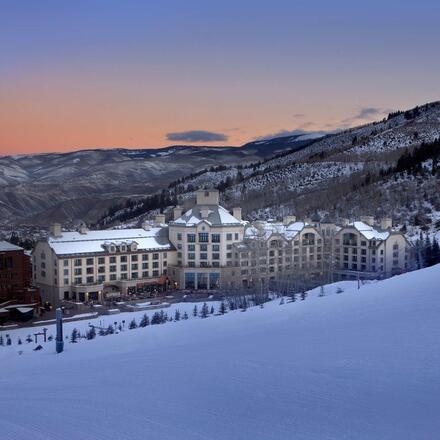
(59, 344)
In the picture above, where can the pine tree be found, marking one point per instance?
(110, 330)
(205, 311)
(177, 315)
(156, 319)
(144, 321)
(211, 312)
(223, 308)
(74, 336)
(2, 342)
(8, 340)
(19, 341)
(132, 324)
(185, 316)
(195, 311)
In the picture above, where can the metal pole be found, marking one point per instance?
(59, 344)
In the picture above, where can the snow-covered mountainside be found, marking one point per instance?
(361, 364)
(347, 174)
(37, 189)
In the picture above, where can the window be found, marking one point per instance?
(78, 280)
(112, 268)
(66, 280)
(123, 267)
(66, 271)
(145, 257)
(123, 259)
(90, 280)
(191, 256)
(203, 256)
(101, 278)
(89, 261)
(101, 260)
(155, 264)
(155, 273)
(191, 238)
(89, 270)
(229, 237)
(112, 260)
(77, 261)
(215, 247)
(236, 235)
(203, 248)
(145, 274)
(112, 277)
(101, 269)
(215, 238)
(203, 237)
(134, 266)
(134, 275)
(144, 266)
(363, 243)
(179, 236)
(123, 276)
(66, 263)
(155, 256)
(134, 258)
(78, 271)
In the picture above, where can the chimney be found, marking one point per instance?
(207, 197)
(146, 225)
(368, 219)
(236, 212)
(55, 230)
(386, 223)
(159, 219)
(177, 212)
(287, 219)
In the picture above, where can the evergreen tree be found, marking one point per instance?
(303, 295)
(195, 311)
(211, 311)
(29, 339)
(205, 311)
(132, 324)
(223, 308)
(185, 316)
(91, 334)
(156, 319)
(144, 321)
(110, 330)
(177, 315)
(2, 342)
(74, 336)
(8, 340)
(19, 341)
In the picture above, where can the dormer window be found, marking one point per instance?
(112, 248)
(133, 247)
(123, 248)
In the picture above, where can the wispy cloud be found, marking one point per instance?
(365, 114)
(285, 133)
(196, 136)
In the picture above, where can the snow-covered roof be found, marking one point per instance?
(6, 246)
(214, 215)
(70, 243)
(265, 230)
(369, 232)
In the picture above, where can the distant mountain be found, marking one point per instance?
(36, 189)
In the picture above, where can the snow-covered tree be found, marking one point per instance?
(205, 311)
(132, 324)
(195, 311)
(223, 309)
(74, 336)
(144, 321)
(177, 315)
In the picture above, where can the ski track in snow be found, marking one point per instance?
(356, 365)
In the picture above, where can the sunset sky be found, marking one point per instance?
(125, 73)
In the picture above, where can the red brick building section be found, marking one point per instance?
(15, 274)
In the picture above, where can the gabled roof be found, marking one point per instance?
(369, 232)
(265, 230)
(6, 246)
(71, 243)
(216, 216)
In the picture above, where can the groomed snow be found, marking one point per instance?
(362, 364)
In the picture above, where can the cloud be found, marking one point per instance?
(299, 115)
(197, 136)
(365, 114)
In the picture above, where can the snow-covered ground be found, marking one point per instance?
(361, 364)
